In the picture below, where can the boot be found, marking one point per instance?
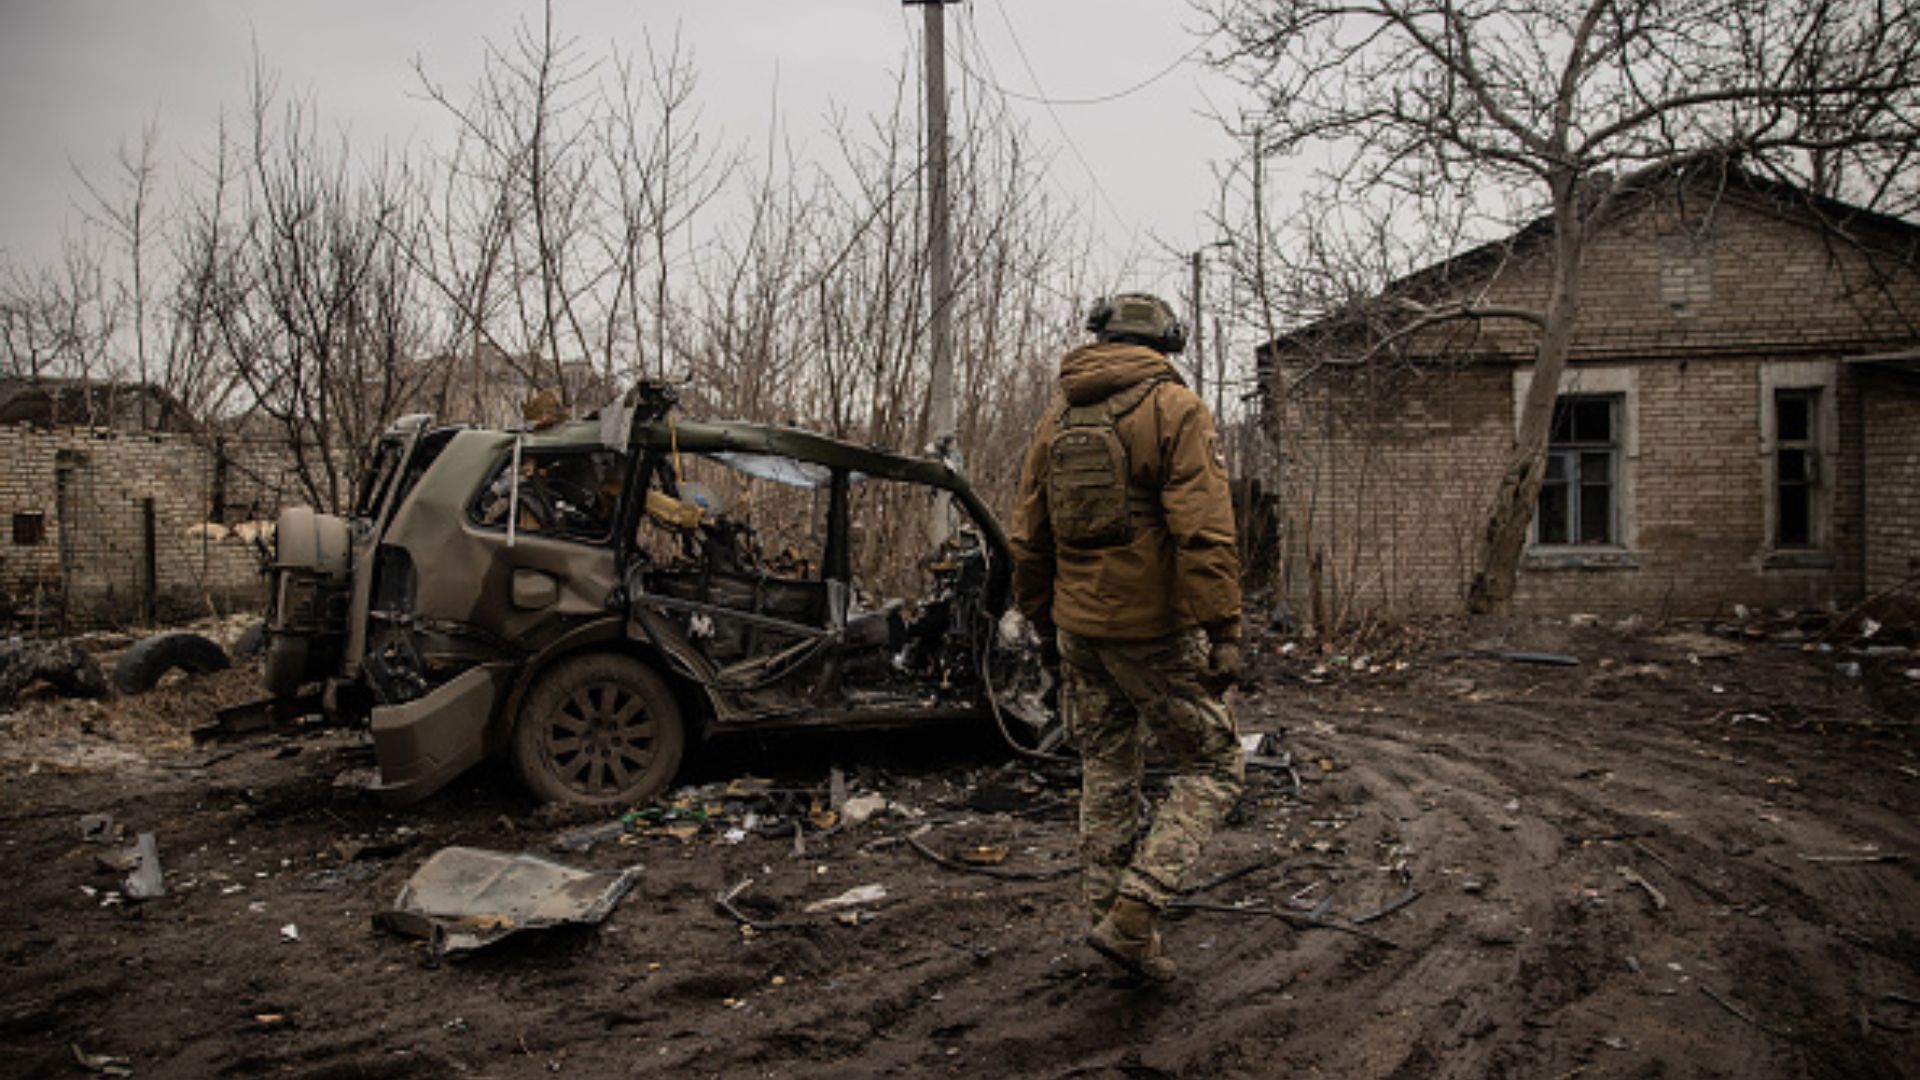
(1128, 937)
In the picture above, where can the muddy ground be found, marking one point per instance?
(1684, 856)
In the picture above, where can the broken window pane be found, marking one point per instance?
(570, 494)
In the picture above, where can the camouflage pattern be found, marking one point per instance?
(1118, 695)
(1139, 316)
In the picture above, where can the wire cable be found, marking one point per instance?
(1102, 99)
(1132, 233)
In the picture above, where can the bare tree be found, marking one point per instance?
(1452, 114)
(312, 292)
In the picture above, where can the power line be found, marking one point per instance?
(1132, 233)
(1041, 99)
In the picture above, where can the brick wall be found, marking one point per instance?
(1758, 277)
(86, 494)
(1890, 406)
(1388, 472)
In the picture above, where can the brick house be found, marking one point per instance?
(1739, 421)
(107, 522)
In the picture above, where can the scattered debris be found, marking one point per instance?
(104, 1064)
(1634, 877)
(925, 852)
(96, 827)
(983, 855)
(857, 810)
(290, 933)
(462, 898)
(1380, 913)
(858, 896)
(724, 902)
(144, 880)
(66, 667)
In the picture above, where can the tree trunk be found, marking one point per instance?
(1511, 511)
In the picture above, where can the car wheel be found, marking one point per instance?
(599, 729)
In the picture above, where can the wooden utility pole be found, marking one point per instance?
(942, 410)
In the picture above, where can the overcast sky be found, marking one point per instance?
(82, 75)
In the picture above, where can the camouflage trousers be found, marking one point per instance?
(1118, 696)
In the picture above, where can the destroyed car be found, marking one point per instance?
(568, 597)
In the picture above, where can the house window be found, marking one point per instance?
(1577, 498)
(1796, 467)
(29, 529)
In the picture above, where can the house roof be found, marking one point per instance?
(1444, 277)
(59, 402)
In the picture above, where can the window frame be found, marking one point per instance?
(475, 501)
(1810, 481)
(1818, 382)
(1576, 453)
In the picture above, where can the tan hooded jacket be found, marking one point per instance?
(1181, 570)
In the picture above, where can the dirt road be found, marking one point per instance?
(1680, 857)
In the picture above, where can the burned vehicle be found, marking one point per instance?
(570, 598)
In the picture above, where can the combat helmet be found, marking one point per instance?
(1141, 318)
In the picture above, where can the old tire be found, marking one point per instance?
(141, 667)
(599, 730)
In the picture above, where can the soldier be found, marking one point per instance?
(1125, 561)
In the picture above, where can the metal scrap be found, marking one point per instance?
(938, 859)
(462, 899)
(144, 879)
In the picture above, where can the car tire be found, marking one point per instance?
(600, 729)
(141, 667)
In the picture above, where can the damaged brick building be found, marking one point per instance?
(1739, 421)
(117, 510)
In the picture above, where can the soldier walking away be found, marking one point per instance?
(1125, 560)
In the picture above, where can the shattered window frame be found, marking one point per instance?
(496, 486)
(1578, 504)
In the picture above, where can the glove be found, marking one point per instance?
(1223, 667)
(1223, 657)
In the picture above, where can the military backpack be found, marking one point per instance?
(1089, 499)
